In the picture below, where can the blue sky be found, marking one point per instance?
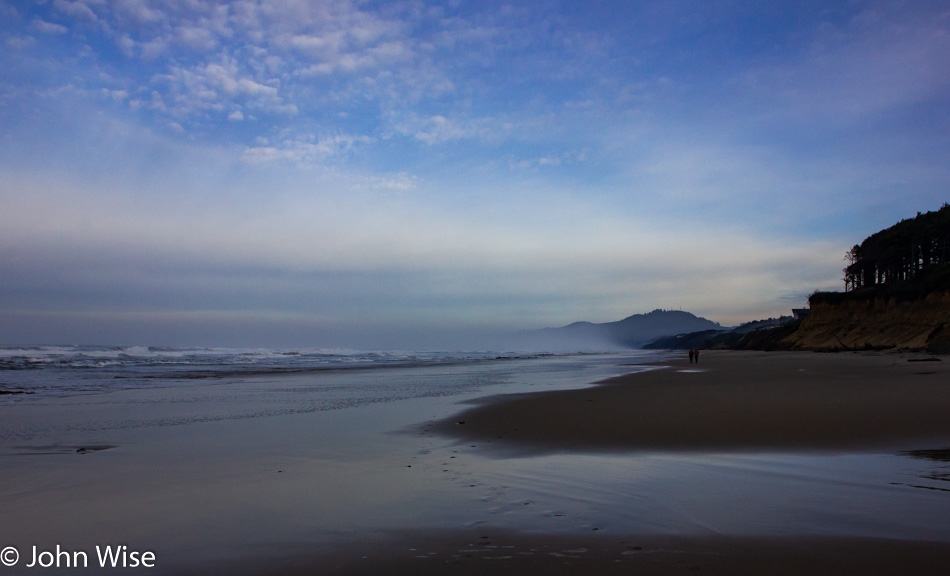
(428, 174)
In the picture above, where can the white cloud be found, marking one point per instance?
(236, 116)
(205, 59)
(438, 129)
(76, 9)
(305, 151)
(317, 45)
(225, 77)
(196, 37)
(117, 95)
(551, 160)
(138, 12)
(19, 42)
(154, 48)
(211, 86)
(126, 45)
(253, 49)
(47, 27)
(154, 102)
(401, 182)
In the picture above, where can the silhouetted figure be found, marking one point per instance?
(696, 355)
(690, 355)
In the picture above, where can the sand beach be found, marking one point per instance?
(746, 463)
(729, 401)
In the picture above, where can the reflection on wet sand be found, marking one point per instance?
(940, 472)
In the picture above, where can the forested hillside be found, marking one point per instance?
(912, 249)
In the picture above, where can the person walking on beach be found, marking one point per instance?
(690, 355)
(696, 355)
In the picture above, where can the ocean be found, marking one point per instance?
(67, 370)
(134, 387)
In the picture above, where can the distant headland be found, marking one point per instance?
(632, 332)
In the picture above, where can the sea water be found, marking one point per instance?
(102, 388)
(71, 370)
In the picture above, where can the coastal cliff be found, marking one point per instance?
(875, 323)
(897, 293)
(897, 297)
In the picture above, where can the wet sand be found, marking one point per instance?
(729, 402)
(732, 401)
(510, 553)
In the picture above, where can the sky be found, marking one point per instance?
(420, 174)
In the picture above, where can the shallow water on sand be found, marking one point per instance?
(216, 470)
(869, 495)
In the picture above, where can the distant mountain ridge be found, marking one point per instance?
(631, 332)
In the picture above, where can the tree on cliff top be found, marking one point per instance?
(905, 251)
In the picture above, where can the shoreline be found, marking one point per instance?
(730, 401)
